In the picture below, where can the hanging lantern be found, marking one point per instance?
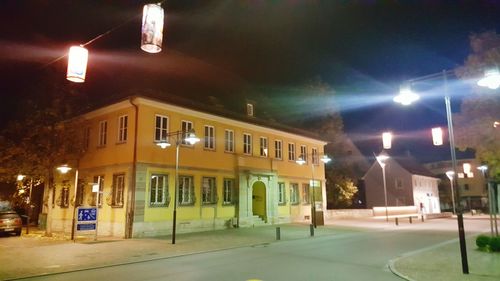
(387, 140)
(466, 167)
(152, 28)
(77, 64)
(437, 136)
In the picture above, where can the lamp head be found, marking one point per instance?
(450, 174)
(300, 160)
(381, 158)
(20, 177)
(491, 79)
(63, 169)
(191, 137)
(325, 159)
(406, 96)
(163, 144)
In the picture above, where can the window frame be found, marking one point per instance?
(281, 193)
(294, 194)
(209, 190)
(228, 191)
(185, 129)
(181, 192)
(164, 190)
(122, 128)
(306, 194)
(247, 143)
(103, 132)
(263, 146)
(101, 190)
(291, 152)
(118, 191)
(161, 129)
(303, 152)
(229, 140)
(278, 153)
(210, 138)
(315, 156)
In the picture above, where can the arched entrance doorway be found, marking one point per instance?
(259, 199)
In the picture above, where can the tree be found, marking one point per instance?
(46, 136)
(474, 124)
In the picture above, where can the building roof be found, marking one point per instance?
(411, 165)
(210, 109)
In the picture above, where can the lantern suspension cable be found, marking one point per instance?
(98, 37)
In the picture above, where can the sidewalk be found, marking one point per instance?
(27, 256)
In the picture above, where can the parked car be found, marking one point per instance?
(10, 222)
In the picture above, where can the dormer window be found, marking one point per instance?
(249, 109)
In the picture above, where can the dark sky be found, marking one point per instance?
(362, 49)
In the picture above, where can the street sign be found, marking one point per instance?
(85, 226)
(87, 214)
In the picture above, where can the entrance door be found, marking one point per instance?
(259, 199)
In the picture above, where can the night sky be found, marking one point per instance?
(362, 49)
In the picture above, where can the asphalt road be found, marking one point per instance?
(350, 256)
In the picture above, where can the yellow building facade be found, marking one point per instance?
(242, 173)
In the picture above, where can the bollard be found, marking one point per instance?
(397, 223)
(422, 218)
(311, 228)
(278, 233)
(411, 220)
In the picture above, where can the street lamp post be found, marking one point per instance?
(483, 169)
(381, 159)
(451, 175)
(301, 161)
(190, 137)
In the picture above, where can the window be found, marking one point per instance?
(86, 138)
(186, 126)
(228, 191)
(314, 155)
(281, 193)
(249, 109)
(159, 190)
(398, 183)
(294, 193)
(291, 151)
(98, 180)
(278, 149)
(229, 141)
(161, 128)
(118, 190)
(64, 199)
(466, 186)
(303, 152)
(247, 144)
(305, 194)
(209, 137)
(122, 128)
(263, 146)
(103, 128)
(186, 190)
(208, 191)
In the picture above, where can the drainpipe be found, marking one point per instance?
(132, 188)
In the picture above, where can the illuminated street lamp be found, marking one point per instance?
(381, 159)
(387, 140)
(77, 64)
(491, 79)
(451, 175)
(301, 161)
(63, 169)
(152, 28)
(189, 137)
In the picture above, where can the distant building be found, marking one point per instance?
(242, 173)
(472, 186)
(407, 184)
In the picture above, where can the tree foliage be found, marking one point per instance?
(474, 124)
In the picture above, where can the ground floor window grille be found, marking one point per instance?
(209, 194)
(228, 191)
(118, 190)
(186, 190)
(294, 193)
(159, 190)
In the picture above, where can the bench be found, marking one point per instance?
(397, 212)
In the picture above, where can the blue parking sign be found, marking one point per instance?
(87, 214)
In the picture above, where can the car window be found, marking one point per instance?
(8, 215)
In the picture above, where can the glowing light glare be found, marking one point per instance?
(191, 138)
(406, 96)
(437, 136)
(20, 177)
(491, 79)
(450, 174)
(152, 28)
(496, 124)
(387, 140)
(163, 144)
(64, 169)
(382, 158)
(300, 160)
(466, 167)
(95, 187)
(325, 159)
(77, 64)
